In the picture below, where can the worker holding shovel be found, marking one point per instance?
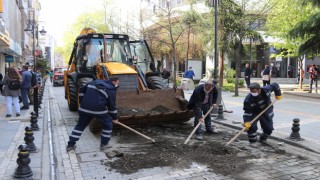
(255, 102)
(202, 98)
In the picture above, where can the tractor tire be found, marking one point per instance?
(80, 83)
(156, 82)
(72, 95)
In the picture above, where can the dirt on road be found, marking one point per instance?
(170, 150)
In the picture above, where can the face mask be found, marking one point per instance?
(116, 85)
(255, 94)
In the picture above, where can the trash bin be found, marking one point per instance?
(187, 84)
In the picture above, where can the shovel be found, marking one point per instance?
(194, 130)
(225, 110)
(129, 128)
(244, 128)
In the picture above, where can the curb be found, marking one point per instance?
(292, 143)
(311, 95)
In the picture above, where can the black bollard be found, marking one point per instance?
(295, 135)
(34, 122)
(29, 138)
(35, 101)
(220, 113)
(23, 170)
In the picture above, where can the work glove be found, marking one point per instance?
(247, 125)
(278, 97)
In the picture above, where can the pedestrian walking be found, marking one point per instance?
(266, 75)
(202, 98)
(314, 73)
(12, 91)
(51, 75)
(255, 102)
(25, 87)
(189, 73)
(247, 74)
(98, 100)
(290, 71)
(1, 85)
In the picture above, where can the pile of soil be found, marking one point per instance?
(134, 111)
(170, 150)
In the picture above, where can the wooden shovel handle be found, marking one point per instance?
(243, 129)
(129, 128)
(194, 130)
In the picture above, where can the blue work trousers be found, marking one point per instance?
(84, 120)
(266, 125)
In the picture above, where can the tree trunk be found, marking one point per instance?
(238, 61)
(221, 67)
(188, 44)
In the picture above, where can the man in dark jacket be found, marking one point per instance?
(202, 98)
(255, 102)
(247, 74)
(25, 86)
(98, 100)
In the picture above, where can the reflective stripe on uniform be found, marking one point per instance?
(106, 135)
(113, 112)
(271, 114)
(247, 114)
(100, 90)
(77, 131)
(74, 136)
(106, 131)
(93, 112)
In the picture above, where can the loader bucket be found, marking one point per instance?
(150, 107)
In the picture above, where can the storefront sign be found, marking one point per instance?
(9, 58)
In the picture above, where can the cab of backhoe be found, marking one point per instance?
(102, 48)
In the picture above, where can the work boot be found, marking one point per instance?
(212, 131)
(105, 146)
(69, 148)
(263, 139)
(199, 137)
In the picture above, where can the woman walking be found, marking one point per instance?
(12, 90)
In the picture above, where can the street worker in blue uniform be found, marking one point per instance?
(201, 100)
(98, 100)
(255, 102)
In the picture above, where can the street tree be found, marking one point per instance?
(95, 19)
(164, 34)
(308, 28)
(237, 22)
(283, 18)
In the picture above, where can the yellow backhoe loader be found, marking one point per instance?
(142, 98)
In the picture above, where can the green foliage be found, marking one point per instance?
(283, 17)
(95, 20)
(42, 65)
(229, 75)
(230, 86)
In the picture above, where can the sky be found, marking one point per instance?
(58, 15)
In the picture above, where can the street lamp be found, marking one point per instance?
(214, 3)
(34, 30)
(33, 27)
